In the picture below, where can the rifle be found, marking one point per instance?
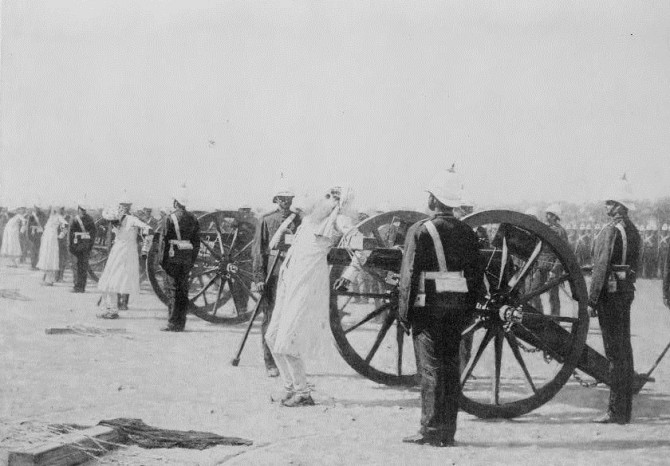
(236, 360)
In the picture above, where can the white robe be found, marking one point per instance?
(300, 319)
(49, 252)
(122, 270)
(11, 237)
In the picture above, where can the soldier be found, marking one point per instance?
(178, 248)
(615, 261)
(440, 280)
(548, 266)
(273, 238)
(81, 238)
(4, 218)
(649, 247)
(36, 221)
(62, 246)
(581, 245)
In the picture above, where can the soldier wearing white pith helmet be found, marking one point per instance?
(548, 265)
(178, 247)
(273, 238)
(441, 278)
(616, 251)
(663, 248)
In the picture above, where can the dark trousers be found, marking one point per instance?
(614, 319)
(35, 251)
(271, 293)
(436, 346)
(177, 292)
(540, 277)
(80, 270)
(62, 258)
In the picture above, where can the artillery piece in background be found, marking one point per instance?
(519, 358)
(220, 281)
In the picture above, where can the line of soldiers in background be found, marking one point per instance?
(35, 219)
(655, 243)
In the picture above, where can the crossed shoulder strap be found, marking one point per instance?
(81, 224)
(437, 242)
(176, 226)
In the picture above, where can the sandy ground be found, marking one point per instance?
(185, 381)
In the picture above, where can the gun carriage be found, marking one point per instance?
(220, 281)
(515, 357)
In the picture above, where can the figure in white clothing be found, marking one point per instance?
(11, 237)
(299, 324)
(49, 256)
(122, 270)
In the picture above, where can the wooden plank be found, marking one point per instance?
(69, 449)
(74, 331)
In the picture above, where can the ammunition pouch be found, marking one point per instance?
(620, 278)
(81, 242)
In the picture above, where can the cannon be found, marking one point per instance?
(220, 281)
(515, 357)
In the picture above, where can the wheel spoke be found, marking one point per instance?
(246, 246)
(211, 250)
(514, 345)
(520, 275)
(246, 290)
(368, 317)
(380, 337)
(473, 362)
(495, 387)
(203, 289)
(503, 261)
(219, 234)
(218, 296)
(472, 328)
(537, 316)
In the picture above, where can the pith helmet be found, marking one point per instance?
(621, 191)
(446, 187)
(664, 227)
(554, 209)
(282, 189)
(181, 194)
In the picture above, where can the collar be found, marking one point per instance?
(443, 215)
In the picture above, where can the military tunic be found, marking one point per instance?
(612, 299)
(436, 327)
(268, 226)
(178, 264)
(81, 250)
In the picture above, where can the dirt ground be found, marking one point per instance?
(185, 381)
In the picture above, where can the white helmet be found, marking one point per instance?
(621, 191)
(554, 209)
(282, 189)
(446, 187)
(181, 194)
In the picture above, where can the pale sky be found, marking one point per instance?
(533, 100)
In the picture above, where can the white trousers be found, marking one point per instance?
(292, 371)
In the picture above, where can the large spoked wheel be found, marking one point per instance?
(104, 238)
(220, 281)
(529, 331)
(364, 317)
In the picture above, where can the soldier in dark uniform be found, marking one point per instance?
(548, 266)
(62, 247)
(36, 221)
(273, 238)
(649, 248)
(81, 237)
(615, 262)
(180, 245)
(440, 280)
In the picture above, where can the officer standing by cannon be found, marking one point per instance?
(272, 239)
(616, 251)
(440, 279)
(178, 249)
